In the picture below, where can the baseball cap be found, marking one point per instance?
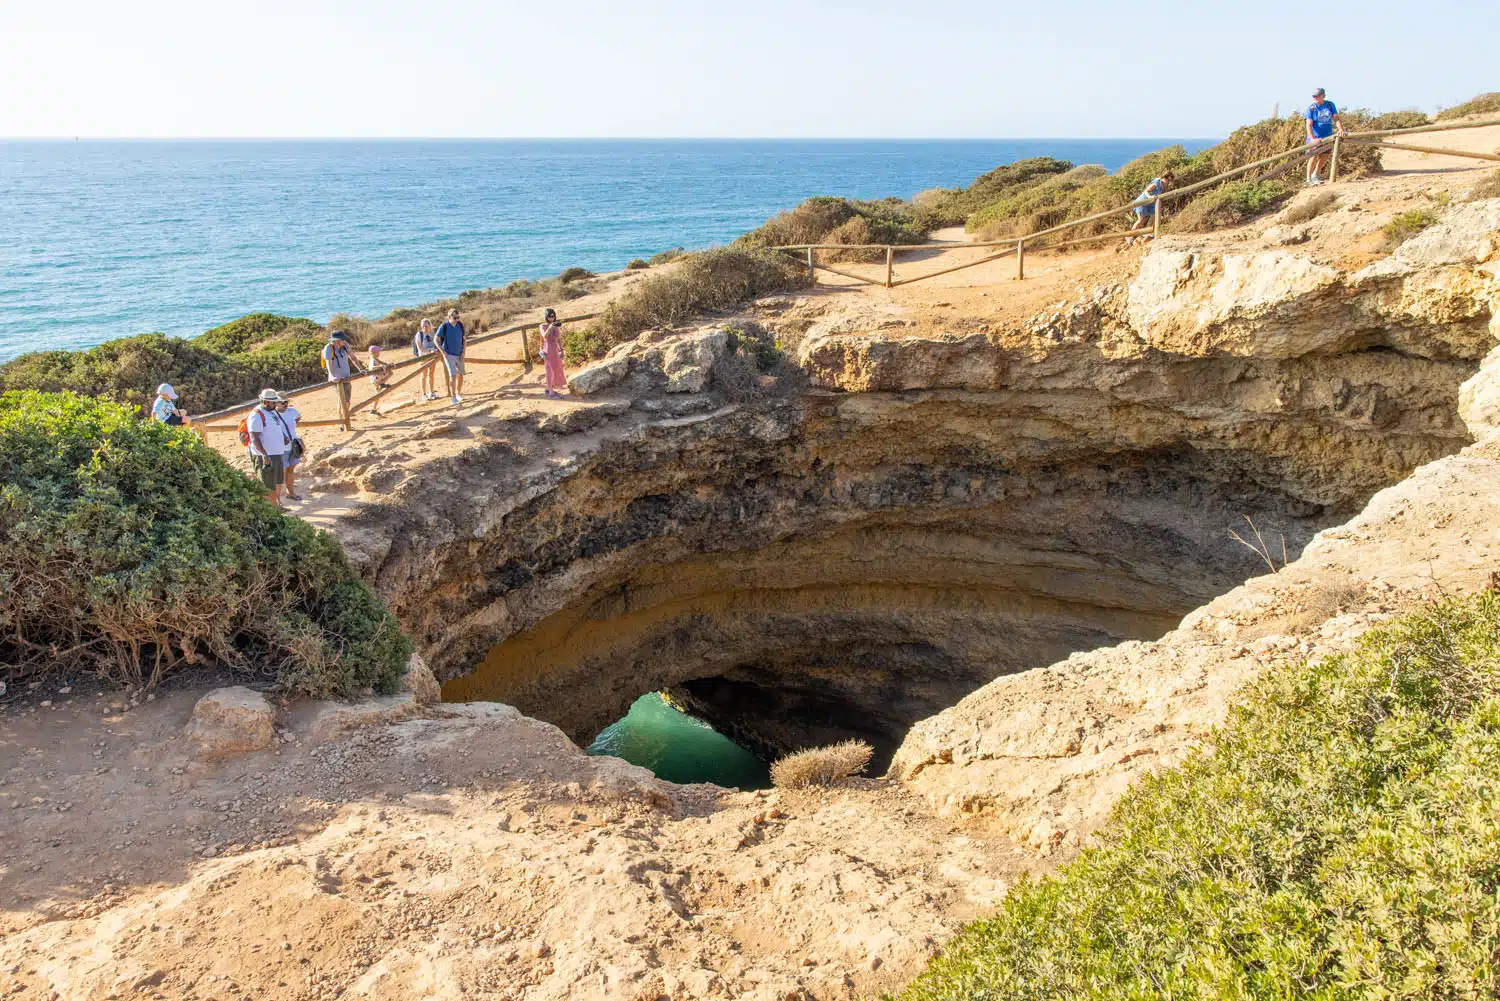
(1319, 93)
(165, 389)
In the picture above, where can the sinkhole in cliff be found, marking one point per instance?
(783, 632)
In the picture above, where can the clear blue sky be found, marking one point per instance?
(931, 68)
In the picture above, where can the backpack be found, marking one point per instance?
(244, 430)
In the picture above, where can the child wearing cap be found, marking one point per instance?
(165, 408)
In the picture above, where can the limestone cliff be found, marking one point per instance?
(938, 511)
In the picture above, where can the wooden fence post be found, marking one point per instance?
(1156, 219)
(890, 265)
(339, 388)
(1333, 166)
(1020, 259)
(812, 270)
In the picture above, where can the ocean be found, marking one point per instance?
(105, 239)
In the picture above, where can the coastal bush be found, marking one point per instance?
(1229, 204)
(1338, 838)
(1407, 119)
(637, 264)
(821, 766)
(718, 279)
(942, 207)
(816, 219)
(666, 256)
(1407, 225)
(129, 548)
(1487, 188)
(217, 369)
(1482, 104)
(574, 275)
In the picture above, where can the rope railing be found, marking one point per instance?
(1019, 245)
(346, 412)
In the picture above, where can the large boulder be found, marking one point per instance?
(231, 721)
(599, 377)
(420, 682)
(688, 363)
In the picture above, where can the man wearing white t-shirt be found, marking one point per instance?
(269, 442)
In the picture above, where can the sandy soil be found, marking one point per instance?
(1482, 140)
(464, 852)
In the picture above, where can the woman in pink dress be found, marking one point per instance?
(552, 354)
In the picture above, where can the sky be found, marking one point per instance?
(763, 68)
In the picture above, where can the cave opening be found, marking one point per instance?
(663, 737)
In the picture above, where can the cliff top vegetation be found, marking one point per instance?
(1338, 838)
(130, 549)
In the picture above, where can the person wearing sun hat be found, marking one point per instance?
(339, 362)
(1322, 123)
(165, 408)
(269, 441)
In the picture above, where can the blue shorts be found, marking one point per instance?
(1146, 211)
(1317, 140)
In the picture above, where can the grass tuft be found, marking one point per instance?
(1338, 838)
(821, 766)
(1407, 225)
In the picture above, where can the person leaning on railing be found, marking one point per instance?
(1323, 122)
(1145, 205)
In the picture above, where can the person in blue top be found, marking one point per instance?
(1322, 122)
(165, 407)
(1145, 208)
(450, 341)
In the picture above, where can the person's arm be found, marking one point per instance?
(1307, 121)
(1338, 124)
(256, 445)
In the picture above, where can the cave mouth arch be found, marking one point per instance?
(864, 626)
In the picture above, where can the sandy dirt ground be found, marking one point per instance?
(459, 851)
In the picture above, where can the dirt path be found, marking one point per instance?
(1484, 140)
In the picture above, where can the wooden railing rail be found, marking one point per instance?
(1019, 245)
(201, 423)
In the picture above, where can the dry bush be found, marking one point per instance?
(1487, 188)
(854, 232)
(821, 766)
(1482, 104)
(711, 280)
(1310, 207)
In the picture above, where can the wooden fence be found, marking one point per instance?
(203, 425)
(1019, 245)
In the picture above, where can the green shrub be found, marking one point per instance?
(222, 367)
(637, 264)
(1339, 838)
(1483, 104)
(1407, 225)
(1230, 204)
(719, 279)
(816, 219)
(584, 344)
(666, 256)
(129, 548)
(1408, 119)
(574, 275)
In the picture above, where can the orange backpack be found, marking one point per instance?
(245, 430)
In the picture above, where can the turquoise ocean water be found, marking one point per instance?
(103, 239)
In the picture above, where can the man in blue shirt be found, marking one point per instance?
(1322, 121)
(450, 341)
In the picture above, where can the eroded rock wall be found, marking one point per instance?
(936, 512)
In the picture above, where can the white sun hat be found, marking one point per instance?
(165, 389)
(270, 396)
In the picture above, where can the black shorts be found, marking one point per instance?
(272, 469)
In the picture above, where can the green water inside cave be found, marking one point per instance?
(679, 748)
